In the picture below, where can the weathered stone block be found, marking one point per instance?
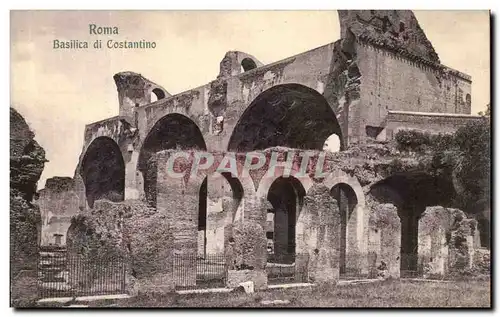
(433, 233)
(258, 277)
(324, 259)
(461, 246)
(385, 237)
(248, 246)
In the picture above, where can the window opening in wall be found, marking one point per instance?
(57, 238)
(157, 94)
(460, 95)
(373, 132)
(248, 64)
(401, 26)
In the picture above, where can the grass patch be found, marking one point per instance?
(378, 294)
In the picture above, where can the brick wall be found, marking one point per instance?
(392, 81)
(446, 123)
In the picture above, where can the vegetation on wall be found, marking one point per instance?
(465, 156)
(24, 226)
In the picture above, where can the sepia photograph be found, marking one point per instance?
(271, 159)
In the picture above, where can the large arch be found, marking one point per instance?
(411, 193)
(103, 171)
(285, 115)
(173, 131)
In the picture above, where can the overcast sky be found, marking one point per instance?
(59, 91)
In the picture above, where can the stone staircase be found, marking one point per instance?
(52, 272)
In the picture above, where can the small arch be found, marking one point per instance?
(286, 196)
(267, 180)
(346, 201)
(332, 143)
(58, 239)
(207, 239)
(248, 64)
(340, 177)
(157, 94)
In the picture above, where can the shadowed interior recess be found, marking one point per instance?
(103, 171)
(288, 115)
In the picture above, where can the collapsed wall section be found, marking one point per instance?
(58, 201)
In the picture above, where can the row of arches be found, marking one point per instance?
(283, 115)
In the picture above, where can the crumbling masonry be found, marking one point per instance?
(380, 76)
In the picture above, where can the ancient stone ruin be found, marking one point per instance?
(343, 213)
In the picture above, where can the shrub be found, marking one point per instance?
(412, 140)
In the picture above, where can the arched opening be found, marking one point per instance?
(220, 197)
(157, 94)
(173, 131)
(347, 201)
(286, 196)
(285, 115)
(103, 171)
(332, 144)
(468, 101)
(248, 64)
(411, 193)
(483, 226)
(202, 219)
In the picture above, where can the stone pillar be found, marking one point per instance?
(343, 205)
(178, 200)
(461, 246)
(305, 232)
(363, 243)
(201, 243)
(385, 239)
(373, 251)
(432, 244)
(356, 245)
(324, 259)
(255, 209)
(217, 209)
(247, 255)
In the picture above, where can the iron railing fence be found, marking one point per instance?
(73, 276)
(192, 271)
